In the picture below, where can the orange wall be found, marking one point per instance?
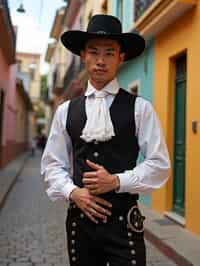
(182, 36)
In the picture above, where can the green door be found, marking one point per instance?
(179, 137)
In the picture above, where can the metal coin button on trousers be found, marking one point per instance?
(118, 242)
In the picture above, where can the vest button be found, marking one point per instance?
(96, 154)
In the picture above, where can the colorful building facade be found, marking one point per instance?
(175, 25)
(23, 115)
(14, 100)
(7, 87)
(30, 63)
(29, 69)
(93, 7)
(136, 76)
(166, 74)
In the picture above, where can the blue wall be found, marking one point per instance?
(127, 12)
(141, 68)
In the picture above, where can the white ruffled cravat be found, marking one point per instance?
(99, 124)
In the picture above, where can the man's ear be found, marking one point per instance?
(122, 57)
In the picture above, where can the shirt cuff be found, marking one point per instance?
(126, 181)
(67, 189)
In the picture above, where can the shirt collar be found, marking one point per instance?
(112, 88)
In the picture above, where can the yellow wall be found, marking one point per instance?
(34, 91)
(93, 7)
(182, 36)
(26, 61)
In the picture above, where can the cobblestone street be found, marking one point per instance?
(32, 229)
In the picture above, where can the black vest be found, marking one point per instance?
(117, 154)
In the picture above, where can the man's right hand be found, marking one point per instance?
(91, 205)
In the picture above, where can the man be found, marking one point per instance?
(104, 129)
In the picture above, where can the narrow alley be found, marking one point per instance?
(32, 228)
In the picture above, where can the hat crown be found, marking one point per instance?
(104, 24)
(107, 27)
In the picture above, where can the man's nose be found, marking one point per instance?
(100, 60)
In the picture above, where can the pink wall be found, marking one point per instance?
(8, 85)
(4, 85)
(10, 115)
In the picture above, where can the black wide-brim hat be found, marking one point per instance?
(108, 27)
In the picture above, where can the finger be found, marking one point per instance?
(97, 214)
(90, 180)
(91, 187)
(94, 166)
(89, 215)
(100, 210)
(103, 202)
(90, 174)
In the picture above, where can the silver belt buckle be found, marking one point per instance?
(135, 219)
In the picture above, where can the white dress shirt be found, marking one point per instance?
(151, 174)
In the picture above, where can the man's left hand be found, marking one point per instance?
(100, 180)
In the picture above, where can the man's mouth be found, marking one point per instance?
(100, 71)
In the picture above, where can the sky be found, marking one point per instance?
(34, 25)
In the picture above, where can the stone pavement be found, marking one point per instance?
(32, 227)
(9, 174)
(176, 242)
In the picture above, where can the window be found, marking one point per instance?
(134, 90)
(104, 7)
(19, 65)
(134, 87)
(32, 68)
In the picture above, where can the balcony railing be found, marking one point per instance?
(140, 7)
(4, 5)
(153, 16)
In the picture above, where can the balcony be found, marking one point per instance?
(153, 16)
(141, 6)
(8, 43)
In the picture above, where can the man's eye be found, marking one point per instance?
(109, 53)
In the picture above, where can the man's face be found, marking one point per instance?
(101, 58)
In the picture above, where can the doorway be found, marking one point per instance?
(179, 136)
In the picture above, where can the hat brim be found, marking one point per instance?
(132, 44)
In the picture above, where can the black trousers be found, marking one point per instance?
(115, 243)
